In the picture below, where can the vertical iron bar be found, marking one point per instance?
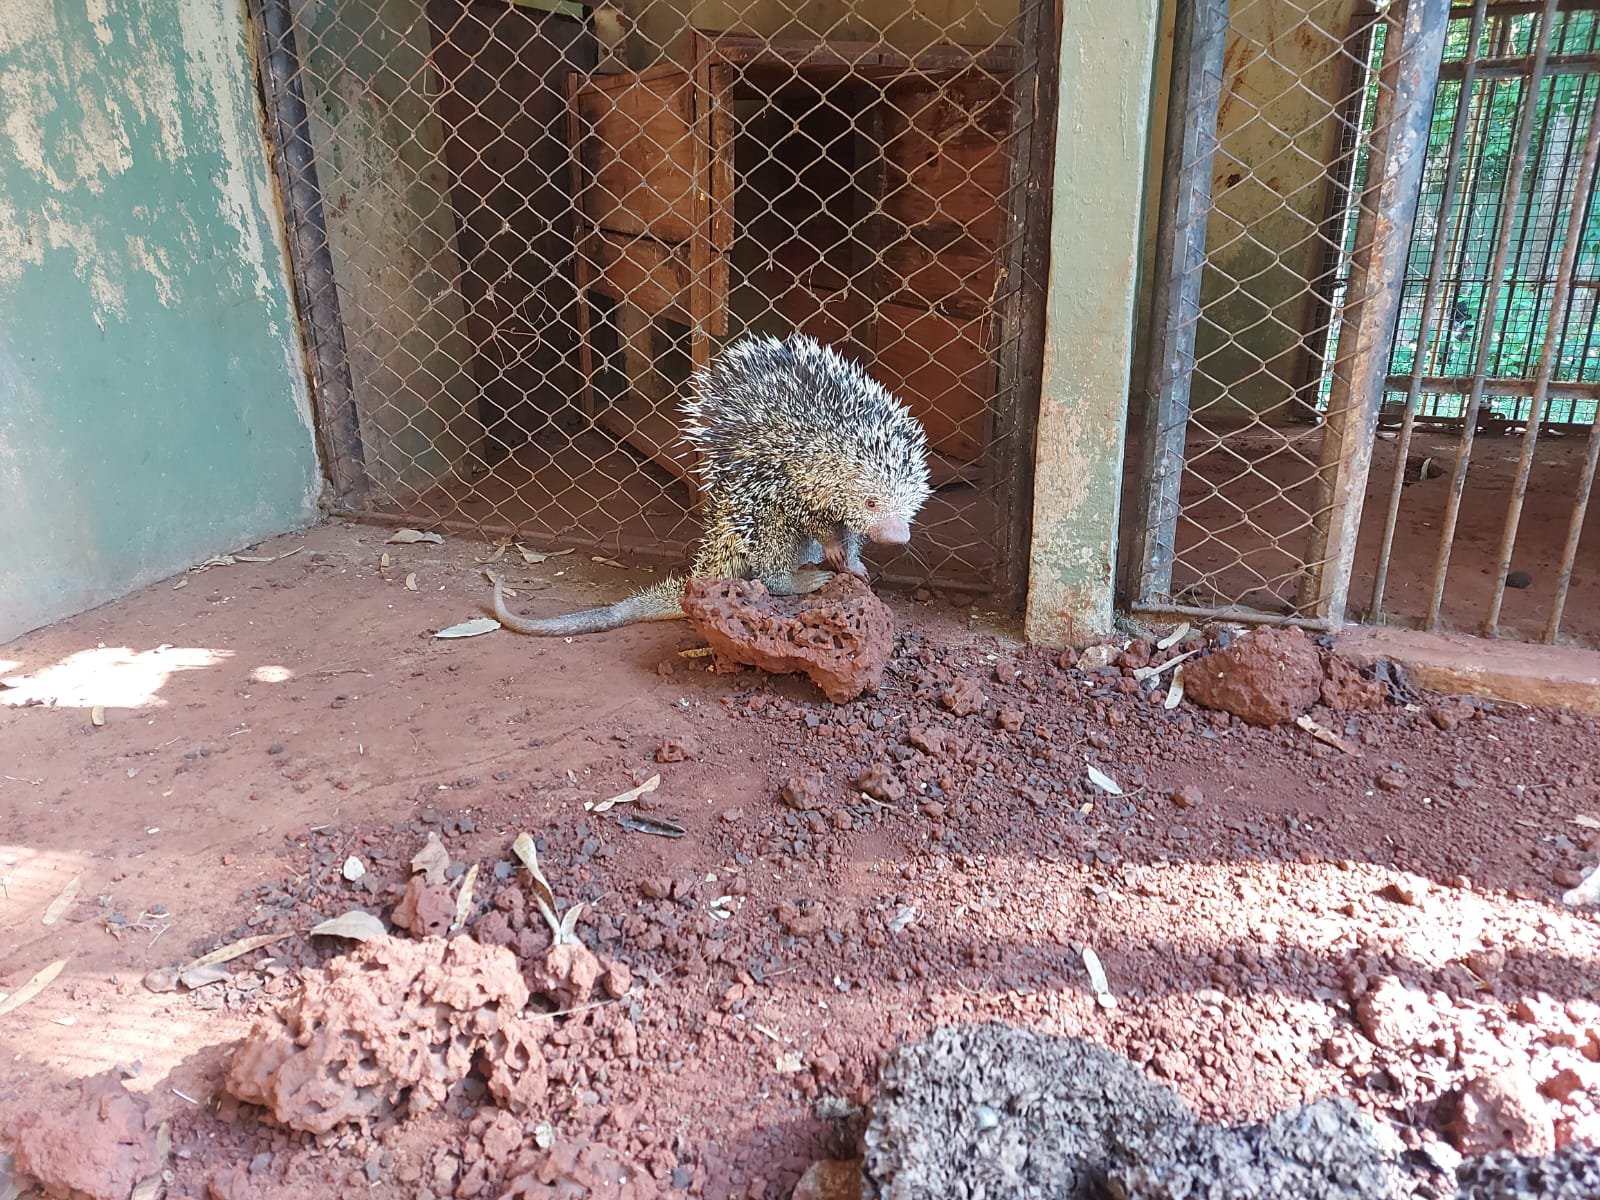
(1430, 297)
(1020, 322)
(338, 424)
(1200, 32)
(1569, 554)
(1488, 310)
(1403, 116)
(1581, 194)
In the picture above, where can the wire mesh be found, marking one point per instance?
(1239, 488)
(519, 225)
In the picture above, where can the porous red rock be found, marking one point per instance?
(1346, 689)
(394, 1024)
(1502, 1111)
(424, 910)
(578, 1170)
(99, 1149)
(1266, 677)
(840, 636)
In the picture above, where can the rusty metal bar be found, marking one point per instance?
(317, 296)
(1201, 28)
(1232, 612)
(1453, 385)
(1430, 296)
(1582, 195)
(1510, 196)
(1569, 553)
(1408, 82)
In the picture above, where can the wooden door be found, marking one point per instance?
(653, 184)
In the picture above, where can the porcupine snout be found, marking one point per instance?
(890, 530)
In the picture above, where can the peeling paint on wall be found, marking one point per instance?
(153, 406)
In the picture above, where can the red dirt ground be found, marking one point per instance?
(1279, 919)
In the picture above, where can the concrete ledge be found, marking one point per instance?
(1563, 677)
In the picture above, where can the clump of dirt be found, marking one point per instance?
(840, 636)
(1265, 677)
(99, 1149)
(578, 1171)
(394, 1024)
(1571, 1173)
(997, 1110)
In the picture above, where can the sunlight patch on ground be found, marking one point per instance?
(9, 664)
(272, 674)
(108, 677)
(29, 879)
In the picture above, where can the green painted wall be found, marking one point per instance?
(153, 406)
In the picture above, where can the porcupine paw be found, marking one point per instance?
(801, 582)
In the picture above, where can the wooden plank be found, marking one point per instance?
(860, 57)
(945, 157)
(942, 369)
(639, 154)
(941, 267)
(652, 275)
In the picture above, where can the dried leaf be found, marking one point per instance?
(1174, 690)
(32, 988)
(608, 562)
(1173, 638)
(198, 977)
(62, 902)
(499, 551)
(254, 558)
(559, 553)
(531, 557)
(464, 897)
(629, 796)
(1325, 735)
(233, 950)
(1097, 979)
(409, 537)
(149, 1188)
(1103, 781)
(1152, 672)
(528, 853)
(566, 930)
(97, 715)
(182, 583)
(356, 925)
(383, 561)
(411, 582)
(472, 628)
(697, 652)
(432, 861)
(1586, 821)
(789, 1062)
(651, 825)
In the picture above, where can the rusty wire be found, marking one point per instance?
(518, 225)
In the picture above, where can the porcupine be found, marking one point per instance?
(803, 459)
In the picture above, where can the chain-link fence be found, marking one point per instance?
(519, 225)
(1378, 236)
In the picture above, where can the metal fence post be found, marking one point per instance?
(1200, 33)
(1408, 83)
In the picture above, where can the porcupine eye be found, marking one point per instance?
(871, 503)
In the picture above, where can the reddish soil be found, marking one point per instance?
(1278, 918)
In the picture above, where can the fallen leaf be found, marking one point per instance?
(697, 652)
(383, 561)
(650, 825)
(531, 557)
(559, 553)
(1097, 979)
(1103, 781)
(566, 928)
(182, 583)
(470, 628)
(608, 562)
(354, 869)
(1173, 638)
(409, 537)
(1174, 690)
(528, 853)
(464, 897)
(199, 977)
(1586, 821)
(1323, 734)
(1152, 672)
(233, 950)
(499, 551)
(62, 902)
(432, 861)
(357, 925)
(789, 1062)
(32, 988)
(629, 796)
(253, 558)
(411, 582)
(97, 715)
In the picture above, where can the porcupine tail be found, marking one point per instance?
(663, 602)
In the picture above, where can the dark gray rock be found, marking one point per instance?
(1571, 1173)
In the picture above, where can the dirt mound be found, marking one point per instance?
(394, 1024)
(1266, 677)
(840, 636)
(996, 1110)
(99, 1149)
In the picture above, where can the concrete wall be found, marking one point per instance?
(153, 409)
